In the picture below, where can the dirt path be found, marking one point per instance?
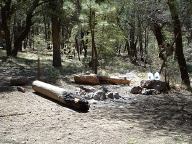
(29, 118)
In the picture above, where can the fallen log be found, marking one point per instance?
(113, 81)
(97, 80)
(87, 79)
(60, 95)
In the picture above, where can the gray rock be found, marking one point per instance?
(110, 95)
(92, 101)
(87, 88)
(116, 95)
(99, 95)
(154, 84)
(21, 89)
(104, 89)
(89, 96)
(150, 92)
(136, 90)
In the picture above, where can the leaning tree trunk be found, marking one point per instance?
(179, 44)
(23, 34)
(55, 20)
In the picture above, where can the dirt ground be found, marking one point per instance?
(135, 119)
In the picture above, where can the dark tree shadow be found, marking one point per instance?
(170, 112)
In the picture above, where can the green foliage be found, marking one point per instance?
(113, 23)
(107, 33)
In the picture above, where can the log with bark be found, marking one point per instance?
(87, 79)
(61, 95)
(96, 80)
(113, 81)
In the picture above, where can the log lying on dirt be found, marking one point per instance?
(113, 81)
(87, 79)
(96, 80)
(60, 95)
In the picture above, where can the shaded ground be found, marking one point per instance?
(135, 119)
(162, 119)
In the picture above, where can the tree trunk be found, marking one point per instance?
(146, 40)
(132, 43)
(61, 95)
(23, 34)
(94, 60)
(6, 16)
(179, 44)
(84, 43)
(85, 46)
(55, 20)
(77, 47)
(140, 35)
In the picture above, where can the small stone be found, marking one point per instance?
(103, 97)
(21, 89)
(116, 95)
(104, 89)
(110, 95)
(99, 95)
(88, 96)
(87, 88)
(150, 92)
(121, 107)
(136, 90)
(92, 101)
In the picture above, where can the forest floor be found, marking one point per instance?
(135, 119)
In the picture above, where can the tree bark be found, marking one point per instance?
(94, 60)
(140, 35)
(179, 44)
(55, 20)
(77, 47)
(97, 80)
(23, 34)
(6, 15)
